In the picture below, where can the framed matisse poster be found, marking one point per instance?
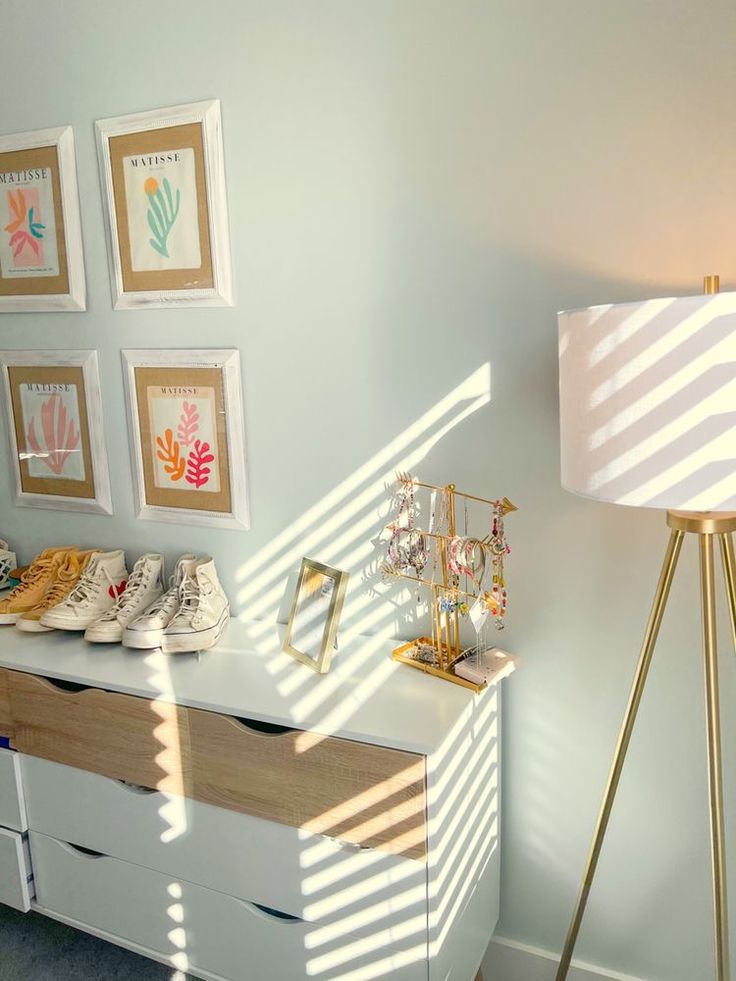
(163, 176)
(41, 261)
(187, 436)
(55, 433)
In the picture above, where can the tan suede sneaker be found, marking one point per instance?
(67, 577)
(41, 573)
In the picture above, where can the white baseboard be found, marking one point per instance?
(507, 960)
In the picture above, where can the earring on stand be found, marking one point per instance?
(396, 550)
(496, 598)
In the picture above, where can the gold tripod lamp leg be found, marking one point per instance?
(715, 780)
(729, 572)
(707, 526)
(624, 738)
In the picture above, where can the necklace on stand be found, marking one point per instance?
(463, 574)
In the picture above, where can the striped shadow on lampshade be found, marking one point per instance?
(648, 402)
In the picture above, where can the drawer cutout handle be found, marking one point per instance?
(135, 788)
(262, 728)
(80, 851)
(268, 913)
(68, 686)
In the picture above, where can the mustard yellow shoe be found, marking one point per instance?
(35, 581)
(67, 577)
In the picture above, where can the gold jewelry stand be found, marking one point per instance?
(445, 637)
(707, 526)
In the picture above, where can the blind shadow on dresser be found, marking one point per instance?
(243, 853)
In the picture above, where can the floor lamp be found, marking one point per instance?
(648, 419)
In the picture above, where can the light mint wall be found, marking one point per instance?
(415, 188)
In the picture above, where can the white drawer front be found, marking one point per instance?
(312, 877)
(16, 881)
(12, 808)
(201, 930)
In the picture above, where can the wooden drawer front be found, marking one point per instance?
(12, 808)
(6, 727)
(309, 876)
(16, 881)
(120, 736)
(363, 794)
(197, 929)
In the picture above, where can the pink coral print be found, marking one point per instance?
(60, 439)
(198, 473)
(25, 228)
(188, 424)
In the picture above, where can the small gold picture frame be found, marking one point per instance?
(315, 614)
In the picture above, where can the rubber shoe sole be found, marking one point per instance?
(31, 626)
(109, 632)
(6, 618)
(62, 623)
(143, 640)
(195, 640)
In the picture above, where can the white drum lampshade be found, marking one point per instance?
(648, 402)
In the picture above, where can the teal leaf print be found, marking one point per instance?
(34, 225)
(162, 213)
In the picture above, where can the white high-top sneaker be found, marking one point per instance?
(144, 632)
(8, 562)
(146, 584)
(203, 612)
(102, 581)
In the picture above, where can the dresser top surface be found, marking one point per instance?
(366, 696)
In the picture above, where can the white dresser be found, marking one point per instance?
(240, 818)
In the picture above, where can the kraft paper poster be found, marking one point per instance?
(32, 250)
(163, 214)
(52, 429)
(184, 435)
(28, 241)
(160, 196)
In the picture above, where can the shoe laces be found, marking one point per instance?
(62, 585)
(140, 576)
(38, 571)
(189, 597)
(167, 600)
(89, 586)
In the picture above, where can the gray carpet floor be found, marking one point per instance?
(35, 948)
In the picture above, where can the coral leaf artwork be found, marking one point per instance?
(60, 439)
(188, 424)
(162, 212)
(23, 229)
(168, 453)
(198, 473)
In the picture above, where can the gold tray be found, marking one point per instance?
(402, 654)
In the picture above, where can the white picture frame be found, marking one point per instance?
(75, 296)
(165, 366)
(100, 500)
(142, 125)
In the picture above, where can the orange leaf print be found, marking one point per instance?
(168, 453)
(18, 208)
